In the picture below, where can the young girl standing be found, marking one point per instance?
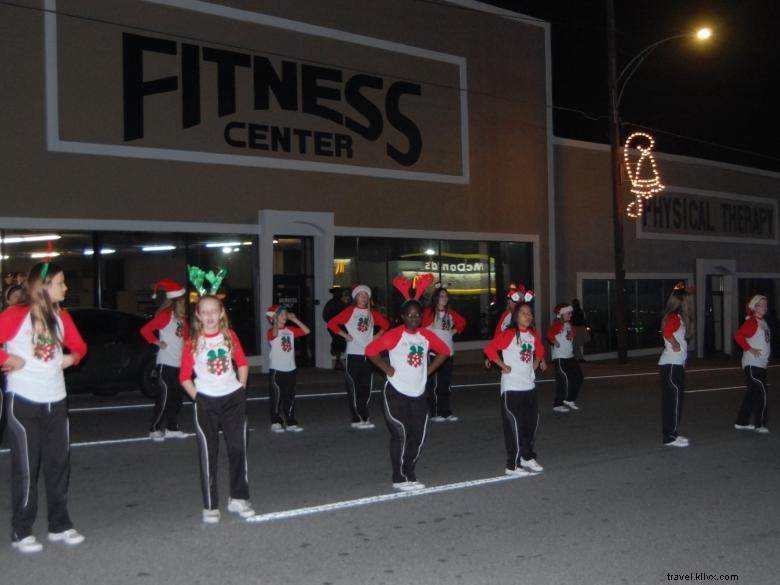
(406, 409)
(568, 376)
(522, 352)
(170, 326)
(357, 325)
(34, 334)
(281, 338)
(755, 339)
(676, 322)
(219, 394)
(445, 322)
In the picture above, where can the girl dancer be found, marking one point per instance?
(282, 367)
(522, 352)
(357, 324)
(676, 322)
(445, 322)
(406, 409)
(170, 326)
(219, 395)
(755, 340)
(34, 333)
(568, 376)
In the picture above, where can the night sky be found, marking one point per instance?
(717, 101)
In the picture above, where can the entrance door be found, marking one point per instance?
(713, 326)
(294, 287)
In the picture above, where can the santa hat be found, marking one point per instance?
(518, 293)
(750, 307)
(274, 310)
(172, 289)
(563, 308)
(360, 288)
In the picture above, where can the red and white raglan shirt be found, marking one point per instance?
(674, 328)
(504, 322)
(212, 364)
(445, 323)
(359, 324)
(564, 334)
(754, 334)
(41, 379)
(407, 351)
(282, 354)
(172, 331)
(519, 347)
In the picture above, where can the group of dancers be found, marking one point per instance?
(205, 360)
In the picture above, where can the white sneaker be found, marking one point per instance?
(745, 427)
(518, 471)
(157, 436)
(452, 418)
(366, 425)
(531, 465)
(417, 485)
(357, 425)
(407, 486)
(295, 428)
(241, 507)
(560, 409)
(438, 419)
(762, 430)
(678, 442)
(175, 434)
(571, 404)
(277, 428)
(71, 537)
(29, 544)
(211, 516)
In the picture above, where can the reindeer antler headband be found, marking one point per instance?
(402, 284)
(198, 275)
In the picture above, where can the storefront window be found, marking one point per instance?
(465, 269)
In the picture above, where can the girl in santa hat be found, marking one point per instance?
(281, 338)
(406, 408)
(754, 338)
(675, 325)
(168, 329)
(568, 376)
(359, 324)
(445, 322)
(33, 335)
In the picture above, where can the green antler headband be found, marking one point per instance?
(198, 277)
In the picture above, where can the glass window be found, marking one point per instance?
(465, 269)
(345, 266)
(409, 257)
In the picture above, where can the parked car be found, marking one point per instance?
(118, 357)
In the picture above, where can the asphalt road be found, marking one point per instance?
(612, 506)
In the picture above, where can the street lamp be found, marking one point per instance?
(617, 85)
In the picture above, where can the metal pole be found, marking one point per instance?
(617, 189)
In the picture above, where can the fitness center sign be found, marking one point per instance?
(215, 84)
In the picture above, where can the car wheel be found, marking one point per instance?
(150, 378)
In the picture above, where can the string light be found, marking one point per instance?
(645, 181)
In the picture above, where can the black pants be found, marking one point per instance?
(359, 375)
(407, 420)
(439, 389)
(167, 405)
(281, 399)
(568, 380)
(672, 393)
(520, 417)
(39, 435)
(754, 404)
(229, 414)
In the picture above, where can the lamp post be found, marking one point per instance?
(617, 85)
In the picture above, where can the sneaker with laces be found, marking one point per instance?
(211, 516)
(531, 465)
(366, 425)
(294, 428)
(678, 442)
(560, 408)
(157, 436)
(571, 404)
(762, 430)
(277, 428)
(517, 472)
(241, 507)
(71, 537)
(175, 434)
(452, 418)
(28, 544)
(438, 418)
(745, 427)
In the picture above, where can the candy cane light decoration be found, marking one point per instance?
(643, 174)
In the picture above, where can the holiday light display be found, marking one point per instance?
(643, 174)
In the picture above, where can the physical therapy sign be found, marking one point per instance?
(211, 83)
(691, 214)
